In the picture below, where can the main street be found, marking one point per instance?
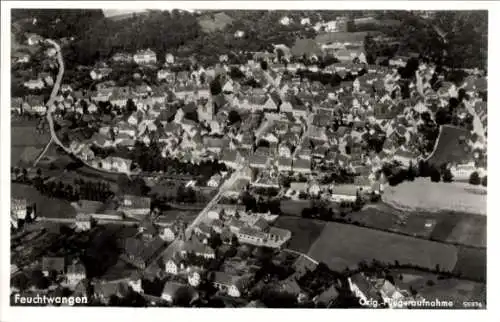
(202, 216)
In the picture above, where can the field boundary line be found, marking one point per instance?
(301, 254)
(43, 152)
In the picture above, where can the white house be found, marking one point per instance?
(194, 277)
(83, 222)
(344, 193)
(143, 57)
(34, 84)
(169, 58)
(285, 21)
(168, 234)
(173, 267)
(463, 171)
(214, 181)
(233, 285)
(135, 283)
(18, 208)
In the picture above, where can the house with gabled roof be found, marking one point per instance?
(145, 56)
(196, 247)
(362, 288)
(405, 157)
(231, 158)
(301, 165)
(234, 285)
(135, 205)
(141, 254)
(344, 193)
(258, 161)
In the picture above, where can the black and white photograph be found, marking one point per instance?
(206, 157)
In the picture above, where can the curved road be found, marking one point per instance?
(50, 102)
(55, 90)
(53, 95)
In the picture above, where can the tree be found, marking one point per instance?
(474, 178)
(423, 169)
(443, 116)
(435, 174)
(215, 241)
(279, 54)
(21, 281)
(235, 73)
(215, 86)
(130, 107)
(263, 65)
(411, 173)
(447, 175)
(249, 201)
(484, 181)
(306, 213)
(234, 117)
(39, 280)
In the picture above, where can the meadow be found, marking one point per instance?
(340, 246)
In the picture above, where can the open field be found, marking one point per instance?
(443, 226)
(471, 263)
(45, 206)
(340, 246)
(424, 195)
(26, 143)
(304, 231)
(471, 231)
(24, 156)
(448, 147)
(384, 217)
(26, 135)
(461, 228)
(294, 207)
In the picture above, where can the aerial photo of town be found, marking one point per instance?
(248, 158)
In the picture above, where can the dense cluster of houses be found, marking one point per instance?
(288, 127)
(298, 116)
(299, 113)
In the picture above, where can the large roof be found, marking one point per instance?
(332, 37)
(305, 46)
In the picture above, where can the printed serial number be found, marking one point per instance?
(472, 304)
